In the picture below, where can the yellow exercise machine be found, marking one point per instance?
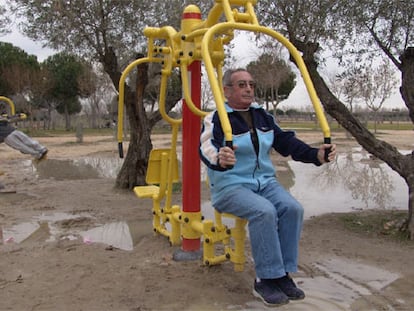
(11, 116)
(200, 41)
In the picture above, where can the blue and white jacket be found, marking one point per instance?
(253, 169)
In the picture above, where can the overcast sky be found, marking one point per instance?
(245, 51)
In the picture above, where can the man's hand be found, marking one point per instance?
(331, 155)
(226, 156)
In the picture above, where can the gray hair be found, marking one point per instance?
(227, 75)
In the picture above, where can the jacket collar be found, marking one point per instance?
(229, 109)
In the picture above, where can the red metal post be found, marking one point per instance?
(191, 186)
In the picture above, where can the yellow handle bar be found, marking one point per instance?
(217, 88)
(121, 98)
(186, 92)
(161, 104)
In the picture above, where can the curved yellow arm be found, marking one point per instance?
(163, 92)
(217, 88)
(186, 92)
(170, 35)
(10, 103)
(121, 98)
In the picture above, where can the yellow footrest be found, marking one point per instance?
(146, 191)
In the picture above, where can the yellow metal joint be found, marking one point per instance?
(191, 225)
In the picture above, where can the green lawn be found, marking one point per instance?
(300, 125)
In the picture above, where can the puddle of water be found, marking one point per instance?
(353, 182)
(83, 168)
(122, 235)
(40, 228)
(52, 227)
(64, 169)
(106, 167)
(19, 232)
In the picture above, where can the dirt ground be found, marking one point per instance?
(55, 267)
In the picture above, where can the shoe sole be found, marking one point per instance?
(257, 295)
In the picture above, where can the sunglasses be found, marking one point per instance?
(241, 84)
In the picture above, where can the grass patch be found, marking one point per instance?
(63, 132)
(390, 224)
(165, 128)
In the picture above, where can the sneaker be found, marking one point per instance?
(288, 286)
(270, 294)
(42, 155)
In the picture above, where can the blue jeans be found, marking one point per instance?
(275, 223)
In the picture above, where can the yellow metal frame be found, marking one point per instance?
(202, 40)
(12, 116)
(10, 103)
(162, 173)
(232, 238)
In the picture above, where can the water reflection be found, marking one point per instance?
(366, 178)
(124, 235)
(107, 167)
(83, 168)
(45, 228)
(65, 169)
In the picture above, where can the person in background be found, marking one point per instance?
(243, 183)
(19, 140)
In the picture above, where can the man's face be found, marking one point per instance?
(240, 94)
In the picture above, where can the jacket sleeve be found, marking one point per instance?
(287, 144)
(211, 139)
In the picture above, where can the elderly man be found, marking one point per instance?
(243, 183)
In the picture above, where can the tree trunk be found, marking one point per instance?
(410, 219)
(134, 168)
(407, 93)
(402, 164)
(407, 80)
(67, 118)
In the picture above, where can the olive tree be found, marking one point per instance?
(358, 29)
(4, 21)
(109, 32)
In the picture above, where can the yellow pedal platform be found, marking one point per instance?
(146, 191)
